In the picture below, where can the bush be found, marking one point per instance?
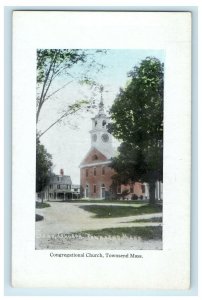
(134, 197)
(125, 193)
(42, 205)
(38, 218)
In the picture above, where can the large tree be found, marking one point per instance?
(137, 120)
(43, 166)
(56, 70)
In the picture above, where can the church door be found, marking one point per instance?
(103, 191)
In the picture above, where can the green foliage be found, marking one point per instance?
(134, 197)
(152, 220)
(43, 166)
(125, 193)
(56, 70)
(42, 205)
(146, 232)
(137, 120)
(113, 211)
(110, 201)
(38, 218)
(56, 61)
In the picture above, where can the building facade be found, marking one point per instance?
(95, 171)
(60, 187)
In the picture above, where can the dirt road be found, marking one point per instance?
(68, 218)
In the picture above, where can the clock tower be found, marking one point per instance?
(95, 171)
(101, 139)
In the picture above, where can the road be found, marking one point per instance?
(68, 218)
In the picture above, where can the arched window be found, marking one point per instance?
(103, 191)
(94, 188)
(87, 191)
(103, 170)
(94, 171)
(86, 172)
(103, 123)
(95, 123)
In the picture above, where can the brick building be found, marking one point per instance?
(95, 172)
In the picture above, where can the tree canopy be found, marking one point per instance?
(43, 166)
(55, 71)
(137, 120)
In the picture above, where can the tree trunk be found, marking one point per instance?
(152, 187)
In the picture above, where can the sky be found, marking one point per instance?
(68, 142)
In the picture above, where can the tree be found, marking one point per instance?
(137, 120)
(54, 65)
(43, 166)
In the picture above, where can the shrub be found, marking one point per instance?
(134, 197)
(42, 205)
(38, 218)
(125, 193)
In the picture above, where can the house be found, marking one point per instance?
(95, 171)
(60, 187)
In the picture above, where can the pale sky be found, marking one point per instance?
(68, 145)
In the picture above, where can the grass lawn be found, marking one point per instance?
(112, 211)
(42, 205)
(152, 220)
(109, 201)
(146, 233)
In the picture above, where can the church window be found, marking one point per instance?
(95, 157)
(103, 123)
(94, 137)
(103, 170)
(86, 172)
(94, 171)
(105, 138)
(94, 188)
(87, 191)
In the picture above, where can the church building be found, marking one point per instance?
(95, 172)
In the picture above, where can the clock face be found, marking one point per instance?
(94, 137)
(105, 137)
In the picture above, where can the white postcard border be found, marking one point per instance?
(166, 269)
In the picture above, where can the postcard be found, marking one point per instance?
(101, 149)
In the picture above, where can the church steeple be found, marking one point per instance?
(101, 139)
(101, 104)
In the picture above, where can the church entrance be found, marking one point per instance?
(103, 191)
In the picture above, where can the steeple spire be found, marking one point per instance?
(101, 104)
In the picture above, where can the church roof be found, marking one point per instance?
(94, 156)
